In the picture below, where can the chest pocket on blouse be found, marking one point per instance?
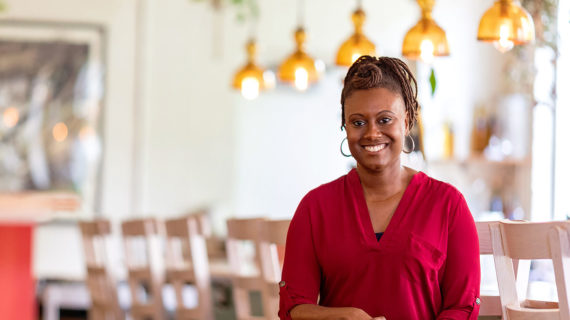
(422, 261)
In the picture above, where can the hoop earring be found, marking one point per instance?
(413, 145)
(342, 152)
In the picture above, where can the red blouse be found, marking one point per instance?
(425, 266)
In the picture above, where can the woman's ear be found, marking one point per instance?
(407, 124)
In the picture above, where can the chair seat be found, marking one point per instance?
(535, 310)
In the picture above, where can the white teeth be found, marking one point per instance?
(375, 148)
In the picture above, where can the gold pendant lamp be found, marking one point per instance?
(249, 79)
(299, 69)
(506, 24)
(426, 39)
(358, 44)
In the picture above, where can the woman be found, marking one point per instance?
(383, 241)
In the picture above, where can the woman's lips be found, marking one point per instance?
(375, 148)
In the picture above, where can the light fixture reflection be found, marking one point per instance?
(11, 117)
(355, 57)
(250, 79)
(299, 68)
(301, 79)
(504, 44)
(426, 39)
(426, 51)
(506, 24)
(250, 88)
(59, 132)
(86, 133)
(357, 45)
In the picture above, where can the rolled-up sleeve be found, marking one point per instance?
(462, 274)
(301, 276)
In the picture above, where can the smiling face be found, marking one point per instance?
(375, 128)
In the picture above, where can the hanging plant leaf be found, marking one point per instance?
(432, 81)
(245, 9)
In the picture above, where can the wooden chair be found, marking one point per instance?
(187, 264)
(272, 246)
(102, 286)
(247, 275)
(531, 240)
(141, 239)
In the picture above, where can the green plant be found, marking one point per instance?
(245, 9)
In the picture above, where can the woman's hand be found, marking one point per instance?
(355, 314)
(316, 312)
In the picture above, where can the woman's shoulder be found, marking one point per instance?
(328, 191)
(437, 187)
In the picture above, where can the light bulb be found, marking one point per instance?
(59, 132)
(320, 66)
(504, 44)
(249, 88)
(301, 79)
(269, 79)
(355, 56)
(426, 51)
(11, 117)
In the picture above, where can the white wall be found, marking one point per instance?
(288, 142)
(57, 248)
(200, 143)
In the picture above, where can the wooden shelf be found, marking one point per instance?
(480, 161)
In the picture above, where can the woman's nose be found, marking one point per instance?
(372, 131)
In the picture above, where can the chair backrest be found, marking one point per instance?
(141, 239)
(272, 245)
(201, 216)
(490, 304)
(531, 240)
(187, 264)
(102, 286)
(247, 273)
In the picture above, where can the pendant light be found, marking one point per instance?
(299, 68)
(358, 44)
(426, 39)
(506, 24)
(249, 79)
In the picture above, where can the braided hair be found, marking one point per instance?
(383, 72)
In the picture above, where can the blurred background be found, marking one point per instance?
(124, 109)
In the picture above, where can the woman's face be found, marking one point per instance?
(375, 127)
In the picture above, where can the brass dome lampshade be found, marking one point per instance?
(299, 68)
(358, 44)
(506, 24)
(426, 39)
(249, 79)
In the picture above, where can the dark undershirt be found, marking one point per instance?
(379, 235)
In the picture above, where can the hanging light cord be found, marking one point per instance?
(300, 13)
(359, 4)
(253, 27)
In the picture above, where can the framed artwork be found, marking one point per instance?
(52, 96)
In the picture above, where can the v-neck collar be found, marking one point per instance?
(363, 215)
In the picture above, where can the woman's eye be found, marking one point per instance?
(358, 123)
(384, 120)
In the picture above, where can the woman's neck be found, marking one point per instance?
(385, 183)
